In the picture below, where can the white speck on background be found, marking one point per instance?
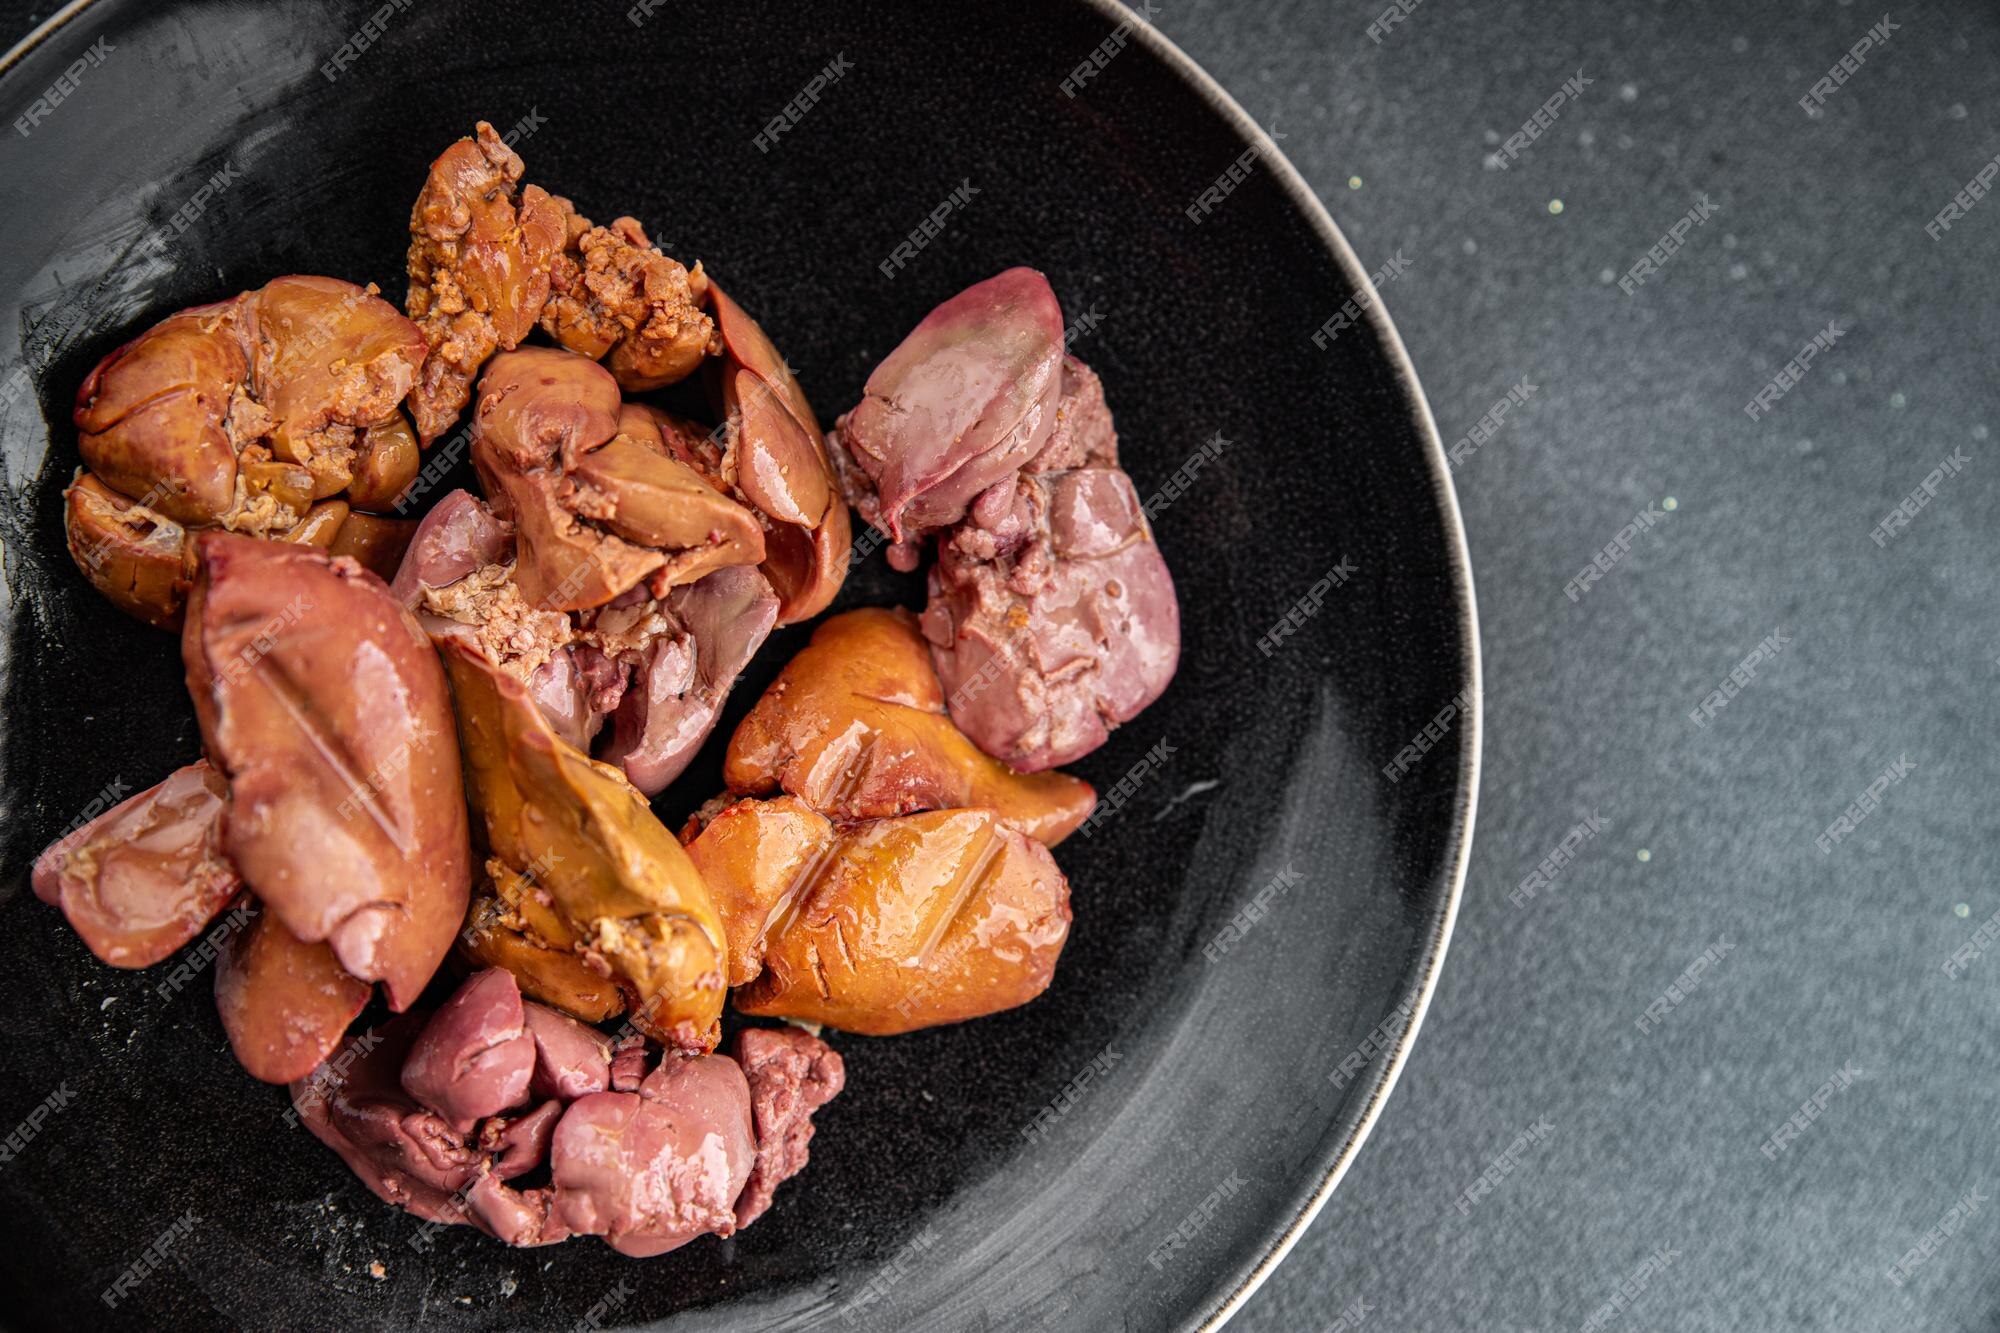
(1192, 789)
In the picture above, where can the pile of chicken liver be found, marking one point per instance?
(429, 743)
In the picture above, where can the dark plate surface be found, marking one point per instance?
(1132, 1150)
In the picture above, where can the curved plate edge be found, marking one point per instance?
(19, 51)
(1377, 316)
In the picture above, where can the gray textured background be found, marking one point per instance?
(1832, 959)
(1647, 1143)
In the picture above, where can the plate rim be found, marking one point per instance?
(1459, 560)
(1376, 316)
(41, 33)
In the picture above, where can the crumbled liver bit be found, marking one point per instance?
(612, 291)
(519, 638)
(791, 1073)
(614, 630)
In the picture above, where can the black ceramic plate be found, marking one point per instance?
(1133, 1150)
